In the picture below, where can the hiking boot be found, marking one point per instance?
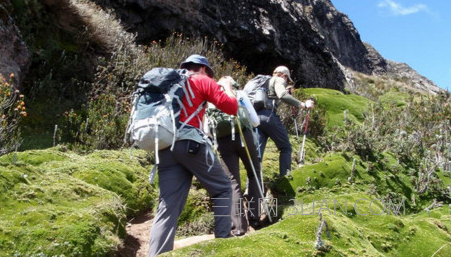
(254, 223)
(238, 233)
(246, 193)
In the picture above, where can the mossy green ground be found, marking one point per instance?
(57, 202)
(361, 221)
(386, 235)
(336, 104)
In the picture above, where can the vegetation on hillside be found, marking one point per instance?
(374, 205)
(101, 123)
(12, 109)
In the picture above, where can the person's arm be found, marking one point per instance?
(283, 95)
(226, 84)
(224, 100)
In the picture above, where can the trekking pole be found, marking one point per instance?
(294, 115)
(265, 206)
(293, 111)
(303, 140)
(260, 159)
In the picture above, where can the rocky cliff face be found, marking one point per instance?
(417, 82)
(319, 44)
(310, 36)
(14, 55)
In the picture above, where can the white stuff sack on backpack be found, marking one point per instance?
(246, 103)
(155, 132)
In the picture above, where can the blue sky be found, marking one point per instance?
(414, 32)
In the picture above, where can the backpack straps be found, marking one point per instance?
(153, 172)
(213, 124)
(271, 98)
(187, 91)
(133, 113)
(201, 106)
(232, 126)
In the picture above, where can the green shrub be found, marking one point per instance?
(317, 116)
(101, 124)
(12, 109)
(417, 133)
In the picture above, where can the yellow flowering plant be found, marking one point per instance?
(12, 109)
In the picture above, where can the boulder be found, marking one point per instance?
(14, 54)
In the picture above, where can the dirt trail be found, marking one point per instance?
(138, 234)
(136, 243)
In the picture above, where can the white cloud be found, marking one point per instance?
(397, 9)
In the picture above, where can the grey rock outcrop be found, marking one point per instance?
(14, 55)
(310, 36)
(319, 44)
(416, 81)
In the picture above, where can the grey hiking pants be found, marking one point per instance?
(231, 152)
(271, 127)
(175, 172)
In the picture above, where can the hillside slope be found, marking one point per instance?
(60, 202)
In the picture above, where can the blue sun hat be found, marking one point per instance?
(199, 59)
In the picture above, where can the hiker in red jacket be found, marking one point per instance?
(193, 155)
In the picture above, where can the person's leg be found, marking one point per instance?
(280, 137)
(174, 183)
(274, 128)
(254, 180)
(262, 135)
(229, 154)
(215, 181)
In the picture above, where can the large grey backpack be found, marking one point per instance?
(157, 103)
(257, 91)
